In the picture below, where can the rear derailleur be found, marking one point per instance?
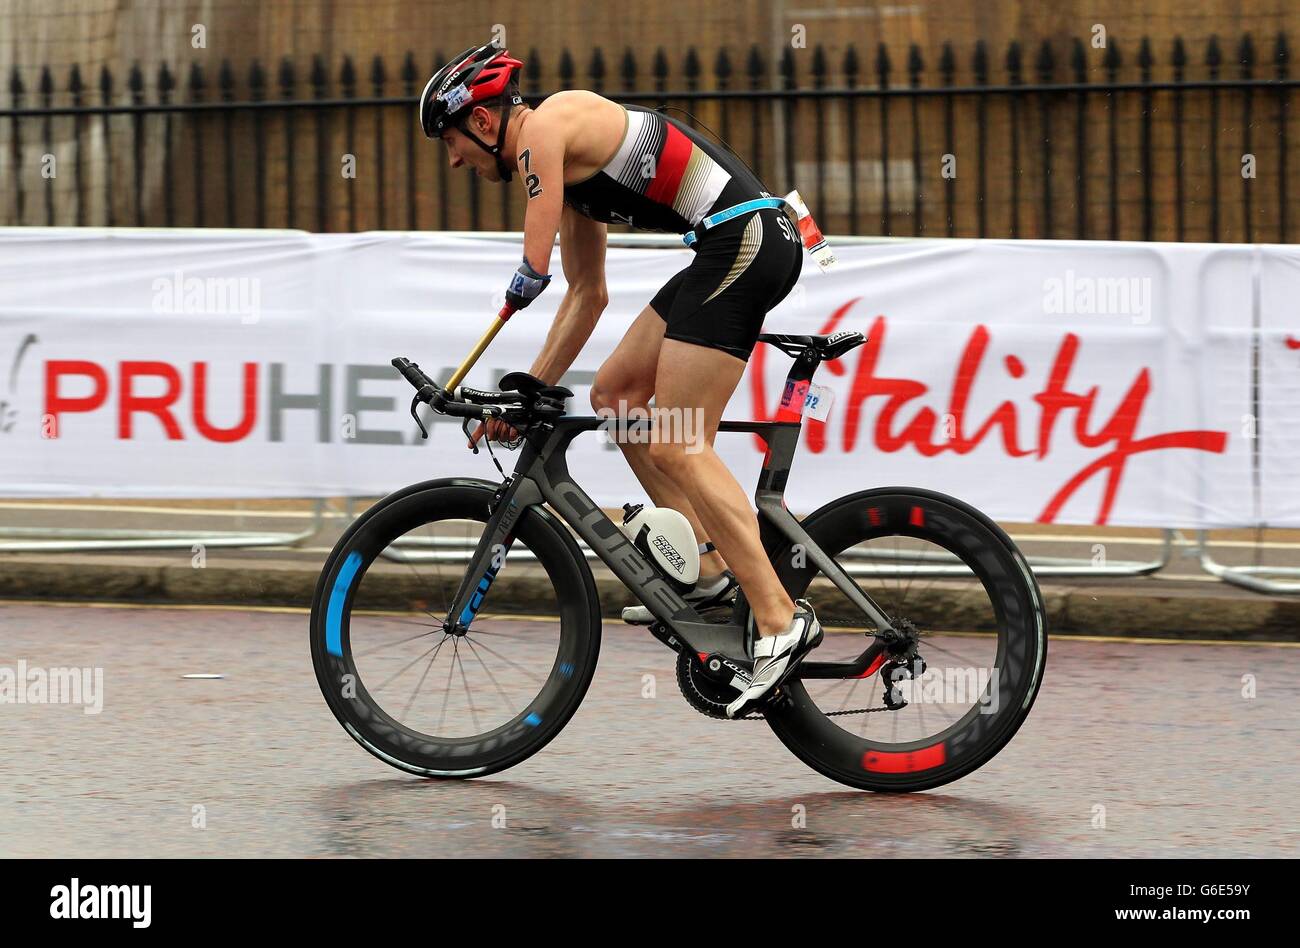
(904, 664)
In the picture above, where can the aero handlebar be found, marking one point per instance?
(441, 401)
(477, 404)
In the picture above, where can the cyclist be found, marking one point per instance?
(585, 162)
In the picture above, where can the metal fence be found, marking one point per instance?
(1080, 143)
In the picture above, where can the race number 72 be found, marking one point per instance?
(531, 181)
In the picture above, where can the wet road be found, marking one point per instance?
(1131, 750)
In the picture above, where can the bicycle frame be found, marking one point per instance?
(542, 475)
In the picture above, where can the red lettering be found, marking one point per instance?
(918, 424)
(157, 405)
(56, 404)
(247, 420)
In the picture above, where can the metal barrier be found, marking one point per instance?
(460, 549)
(1247, 577)
(75, 539)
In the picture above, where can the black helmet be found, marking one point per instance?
(476, 75)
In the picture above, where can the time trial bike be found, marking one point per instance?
(456, 625)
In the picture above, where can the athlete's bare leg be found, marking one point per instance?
(691, 378)
(628, 375)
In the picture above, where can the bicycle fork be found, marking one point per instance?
(514, 496)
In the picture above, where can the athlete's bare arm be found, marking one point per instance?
(582, 254)
(541, 150)
(568, 137)
(557, 141)
(554, 137)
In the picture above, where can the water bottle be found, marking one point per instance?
(664, 536)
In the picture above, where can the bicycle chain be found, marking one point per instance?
(829, 714)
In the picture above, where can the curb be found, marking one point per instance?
(1151, 612)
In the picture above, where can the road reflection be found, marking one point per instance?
(505, 819)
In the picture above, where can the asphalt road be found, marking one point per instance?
(1133, 749)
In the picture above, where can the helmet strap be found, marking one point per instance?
(503, 167)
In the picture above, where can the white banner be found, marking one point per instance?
(1051, 381)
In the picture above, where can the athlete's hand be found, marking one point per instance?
(495, 429)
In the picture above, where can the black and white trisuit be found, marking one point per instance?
(665, 176)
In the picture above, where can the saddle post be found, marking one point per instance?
(808, 352)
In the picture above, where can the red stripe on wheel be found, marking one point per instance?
(918, 517)
(904, 762)
(670, 167)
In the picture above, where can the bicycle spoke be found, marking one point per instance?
(871, 703)
(929, 646)
(469, 699)
(418, 685)
(491, 677)
(390, 680)
(446, 693)
(379, 648)
(386, 618)
(505, 635)
(852, 688)
(514, 665)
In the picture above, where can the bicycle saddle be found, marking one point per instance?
(529, 385)
(823, 348)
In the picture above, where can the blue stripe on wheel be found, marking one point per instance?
(338, 596)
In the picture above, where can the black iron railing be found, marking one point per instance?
(1088, 147)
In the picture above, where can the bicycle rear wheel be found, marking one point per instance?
(957, 585)
(440, 703)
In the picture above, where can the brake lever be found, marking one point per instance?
(469, 438)
(415, 404)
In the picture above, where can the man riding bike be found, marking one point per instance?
(585, 162)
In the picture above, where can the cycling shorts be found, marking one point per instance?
(742, 269)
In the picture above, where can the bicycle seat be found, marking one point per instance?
(526, 385)
(822, 348)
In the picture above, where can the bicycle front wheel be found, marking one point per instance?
(459, 703)
(968, 606)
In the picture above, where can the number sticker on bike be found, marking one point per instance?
(817, 403)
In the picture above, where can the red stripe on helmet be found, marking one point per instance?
(494, 76)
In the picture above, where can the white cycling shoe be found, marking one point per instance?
(713, 593)
(777, 656)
